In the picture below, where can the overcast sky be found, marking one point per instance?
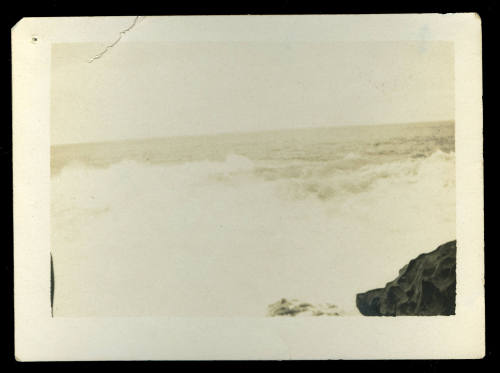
(142, 90)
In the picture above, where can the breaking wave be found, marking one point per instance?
(228, 238)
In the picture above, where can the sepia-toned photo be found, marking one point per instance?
(248, 187)
(253, 179)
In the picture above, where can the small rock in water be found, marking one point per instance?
(294, 307)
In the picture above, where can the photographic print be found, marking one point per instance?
(281, 178)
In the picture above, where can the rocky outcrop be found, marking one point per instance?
(425, 287)
(295, 307)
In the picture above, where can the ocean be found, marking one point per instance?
(227, 224)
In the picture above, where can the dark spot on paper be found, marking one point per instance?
(52, 286)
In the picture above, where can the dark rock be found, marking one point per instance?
(425, 287)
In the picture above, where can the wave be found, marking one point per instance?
(241, 233)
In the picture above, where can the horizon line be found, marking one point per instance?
(249, 132)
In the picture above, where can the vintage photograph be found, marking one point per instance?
(261, 179)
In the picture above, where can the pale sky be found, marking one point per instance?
(144, 90)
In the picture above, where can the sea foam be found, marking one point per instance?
(227, 238)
